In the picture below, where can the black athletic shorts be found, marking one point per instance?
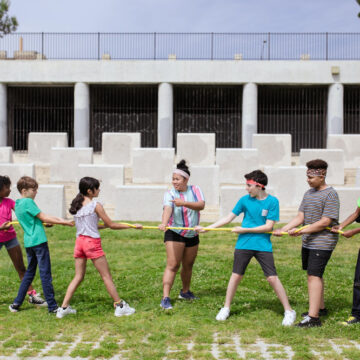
(264, 258)
(314, 261)
(173, 236)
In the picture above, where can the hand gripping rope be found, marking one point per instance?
(191, 228)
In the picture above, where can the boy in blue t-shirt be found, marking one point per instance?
(261, 211)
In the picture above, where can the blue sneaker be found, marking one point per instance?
(166, 304)
(187, 296)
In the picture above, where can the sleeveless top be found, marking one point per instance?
(86, 221)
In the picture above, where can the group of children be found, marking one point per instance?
(87, 212)
(318, 214)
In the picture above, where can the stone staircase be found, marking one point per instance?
(210, 213)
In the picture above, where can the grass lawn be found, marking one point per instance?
(137, 261)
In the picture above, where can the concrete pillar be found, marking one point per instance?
(335, 109)
(165, 116)
(3, 115)
(249, 114)
(82, 115)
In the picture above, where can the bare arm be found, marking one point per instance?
(349, 220)
(317, 226)
(165, 217)
(49, 219)
(223, 221)
(109, 223)
(296, 221)
(350, 233)
(193, 205)
(256, 230)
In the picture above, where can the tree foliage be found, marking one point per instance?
(8, 23)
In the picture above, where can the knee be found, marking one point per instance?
(188, 266)
(79, 278)
(314, 279)
(236, 277)
(272, 279)
(173, 267)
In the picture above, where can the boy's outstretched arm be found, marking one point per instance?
(267, 227)
(296, 221)
(223, 221)
(49, 219)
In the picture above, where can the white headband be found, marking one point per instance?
(182, 173)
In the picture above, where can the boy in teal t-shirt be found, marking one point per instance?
(31, 220)
(261, 211)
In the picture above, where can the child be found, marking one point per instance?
(9, 240)
(318, 209)
(87, 212)
(182, 206)
(31, 218)
(261, 211)
(355, 312)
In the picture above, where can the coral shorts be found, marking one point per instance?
(88, 247)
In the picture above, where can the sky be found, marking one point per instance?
(186, 15)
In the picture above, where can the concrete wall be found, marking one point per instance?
(235, 163)
(348, 200)
(334, 158)
(178, 72)
(139, 203)
(40, 144)
(109, 176)
(64, 162)
(50, 199)
(16, 171)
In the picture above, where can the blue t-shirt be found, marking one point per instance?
(256, 212)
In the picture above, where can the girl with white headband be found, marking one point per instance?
(182, 206)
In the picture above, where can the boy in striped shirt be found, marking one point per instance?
(319, 209)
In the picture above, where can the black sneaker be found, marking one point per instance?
(322, 312)
(14, 308)
(351, 320)
(36, 299)
(309, 321)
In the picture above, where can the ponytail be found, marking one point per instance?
(86, 183)
(76, 204)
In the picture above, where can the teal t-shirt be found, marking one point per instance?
(26, 211)
(256, 212)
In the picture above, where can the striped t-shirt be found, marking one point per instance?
(182, 216)
(315, 205)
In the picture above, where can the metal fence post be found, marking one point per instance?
(212, 46)
(154, 45)
(42, 45)
(98, 46)
(268, 46)
(327, 46)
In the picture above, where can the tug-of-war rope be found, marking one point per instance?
(192, 228)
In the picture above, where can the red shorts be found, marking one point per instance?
(88, 247)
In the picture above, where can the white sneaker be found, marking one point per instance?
(223, 314)
(289, 317)
(123, 308)
(63, 312)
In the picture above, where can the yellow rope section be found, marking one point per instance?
(191, 228)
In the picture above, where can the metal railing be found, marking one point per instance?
(181, 46)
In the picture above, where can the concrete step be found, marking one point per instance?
(350, 177)
(286, 214)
